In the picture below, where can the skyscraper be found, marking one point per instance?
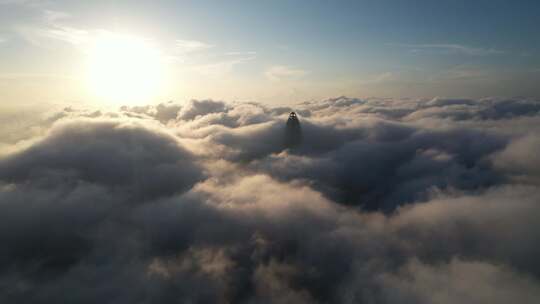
(293, 131)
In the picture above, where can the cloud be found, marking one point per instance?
(52, 16)
(221, 68)
(19, 2)
(241, 53)
(281, 72)
(465, 282)
(200, 108)
(450, 49)
(70, 35)
(188, 46)
(520, 158)
(54, 26)
(379, 78)
(109, 154)
(384, 201)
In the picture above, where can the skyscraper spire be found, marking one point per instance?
(293, 131)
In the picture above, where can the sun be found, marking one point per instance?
(123, 69)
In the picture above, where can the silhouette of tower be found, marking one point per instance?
(293, 131)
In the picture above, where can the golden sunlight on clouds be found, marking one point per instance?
(123, 69)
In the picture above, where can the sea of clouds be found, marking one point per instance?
(384, 201)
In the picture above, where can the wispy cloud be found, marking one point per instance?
(379, 78)
(52, 16)
(55, 28)
(191, 53)
(241, 53)
(449, 48)
(184, 49)
(221, 68)
(282, 72)
(189, 46)
(464, 72)
(22, 2)
(66, 34)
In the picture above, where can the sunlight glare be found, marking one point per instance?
(123, 69)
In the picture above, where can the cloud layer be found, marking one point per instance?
(383, 201)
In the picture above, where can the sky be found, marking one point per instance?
(276, 52)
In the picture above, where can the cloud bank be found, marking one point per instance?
(383, 201)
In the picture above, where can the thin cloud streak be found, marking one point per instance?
(282, 72)
(449, 48)
(189, 46)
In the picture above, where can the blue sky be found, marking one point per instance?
(281, 51)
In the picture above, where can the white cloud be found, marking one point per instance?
(221, 68)
(282, 72)
(241, 53)
(53, 16)
(55, 28)
(188, 46)
(66, 34)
